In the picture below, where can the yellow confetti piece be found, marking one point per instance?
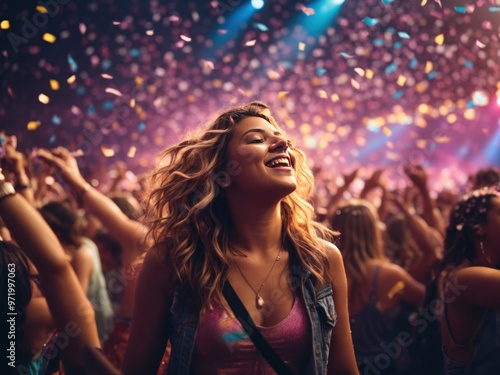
(251, 43)
(54, 85)
(361, 72)
(421, 143)
(107, 152)
(44, 99)
(428, 67)
(282, 95)
(470, 114)
(401, 80)
(139, 81)
(33, 125)
(387, 132)
(322, 94)
(49, 38)
(132, 102)
(4, 25)
(423, 3)
(131, 151)
(185, 38)
(71, 79)
(421, 122)
(439, 39)
(369, 73)
(305, 128)
(42, 9)
(302, 46)
(398, 287)
(334, 98)
(451, 118)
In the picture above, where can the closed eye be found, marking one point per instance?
(260, 140)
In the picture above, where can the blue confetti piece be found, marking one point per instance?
(345, 54)
(106, 64)
(404, 35)
(377, 42)
(370, 21)
(391, 30)
(374, 128)
(460, 10)
(2, 139)
(91, 109)
(232, 337)
(391, 68)
(398, 94)
(73, 66)
(320, 71)
(494, 9)
(431, 75)
(107, 105)
(469, 64)
(413, 63)
(470, 104)
(56, 120)
(385, 2)
(260, 26)
(141, 127)
(134, 52)
(80, 90)
(52, 138)
(398, 45)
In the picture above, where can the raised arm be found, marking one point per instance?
(130, 233)
(71, 311)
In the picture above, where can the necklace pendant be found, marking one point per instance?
(259, 302)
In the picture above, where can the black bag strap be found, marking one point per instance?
(249, 326)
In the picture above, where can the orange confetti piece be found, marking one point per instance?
(401, 80)
(398, 287)
(71, 79)
(41, 9)
(54, 85)
(4, 25)
(369, 73)
(33, 125)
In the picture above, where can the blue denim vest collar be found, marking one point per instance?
(320, 307)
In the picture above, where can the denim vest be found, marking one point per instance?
(320, 308)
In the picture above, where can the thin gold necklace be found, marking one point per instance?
(259, 301)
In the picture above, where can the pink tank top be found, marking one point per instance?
(223, 347)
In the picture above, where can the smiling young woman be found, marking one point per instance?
(228, 210)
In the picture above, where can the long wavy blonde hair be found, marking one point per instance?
(187, 211)
(359, 241)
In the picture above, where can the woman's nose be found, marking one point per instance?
(280, 144)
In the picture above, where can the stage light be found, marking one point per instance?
(257, 4)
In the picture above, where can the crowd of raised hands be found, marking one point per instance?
(71, 249)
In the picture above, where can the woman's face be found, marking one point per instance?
(263, 160)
